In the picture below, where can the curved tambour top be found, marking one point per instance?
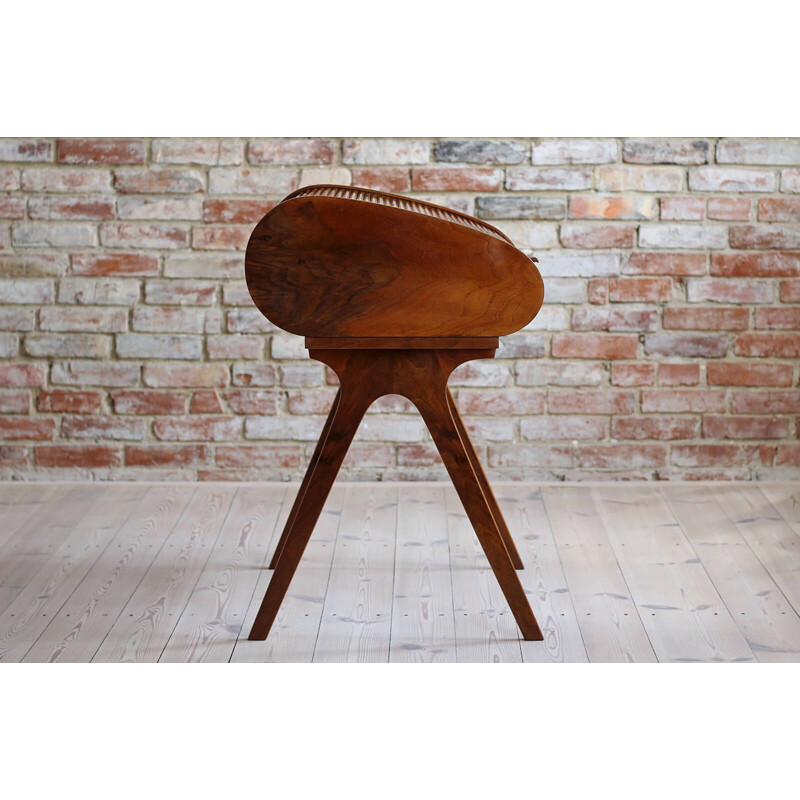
(339, 261)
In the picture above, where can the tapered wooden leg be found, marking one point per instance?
(307, 481)
(491, 500)
(349, 412)
(432, 402)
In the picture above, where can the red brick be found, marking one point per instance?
(685, 345)
(12, 208)
(692, 318)
(143, 401)
(383, 179)
(640, 290)
(597, 402)
(15, 402)
(236, 211)
(511, 401)
(224, 237)
(732, 209)
(679, 374)
(779, 209)
(745, 427)
(664, 427)
(768, 345)
(764, 265)
(369, 454)
(256, 401)
(146, 235)
(588, 235)
(774, 402)
(291, 151)
(783, 318)
(585, 345)
(632, 374)
(730, 290)
(21, 375)
(682, 400)
(235, 347)
(765, 237)
(180, 292)
(614, 319)
(318, 402)
(551, 427)
(26, 428)
(212, 429)
(103, 428)
(206, 401)
(713, 455)
(788, 455)
(94, 373)
(66, 207)
(14, 456)
(78, 455)
(612, 206)
(114, 264)
(418, 455)
(676, 264)
(72, 402)
(790, 291)
(260, 455)
(683, 208)
(737, 373)
(145, 455)
(622, 456)
(101, 151)
(456, 179)
(597, 290)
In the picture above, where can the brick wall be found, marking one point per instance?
(667, 347)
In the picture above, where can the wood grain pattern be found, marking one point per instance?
(610, 624)
(336, 266)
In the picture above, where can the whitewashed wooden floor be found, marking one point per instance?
(615, 572)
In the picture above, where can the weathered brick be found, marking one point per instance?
(383, 179)
(159, 181)
(790, 180)
(315, 176)
(676, 401)
(14, 456)
(206, 401)
(574, 151)
(255, 374)
(162, 236)
(611, 206)
(9, 179)
(732, 179)
(464, 204)
(9, 345)
(745, 427)
(236, 293)
(85, 427)
(578, 428)
(418, 455)
(596, 402)
(26, 150)
(706, 319)
(788, 455)
(94, 373)
(511, 401)
(530, 235)
(32, 265)
(790, 291)
(259, 455)
(291, 151)
(23, 427)
(160, 208)
(287, 345)
(152, 345)
(101, 151)
(566, 290)
(185, 375)
(550, 318)
(98, 291)
(633, 374)
(306, 375)
(235, 347)
(490, 429)
(481, 151)
(54, 234)
(521, 345)
(614, 319)
(521, 207)
(15, 402)
(768, 345)
(256, 401)
(221, 237)
(385, 151)
(12, 207)
(456, 179)
(123, 264)
(252, 180)
(618, 178)
(713, 455)
(585, 345)
(678, 374)
(78, 455)
(532, 373)
(36, 292)
(773, 402)
(147, 455)
(677, 264)
(681, 427)
(211, 429)
(570, 265)
(368, 454)
(758, 151)
(727, 290)
(217, 266)
(734, 209)
(682, 236)
(665, 151)
(683, 208)
(779, 318)
(71, 402)
(596, 292)
(197, 151)
(685, 345)
(622, 456)
(765, 237)
(640, 290)
(592, 235)
(17, 319)
(60, 179)
(766, 265)
(58, 318)
(81, 345)
(147, 402)
(168, 320)
(236, 210)
(548, 178)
